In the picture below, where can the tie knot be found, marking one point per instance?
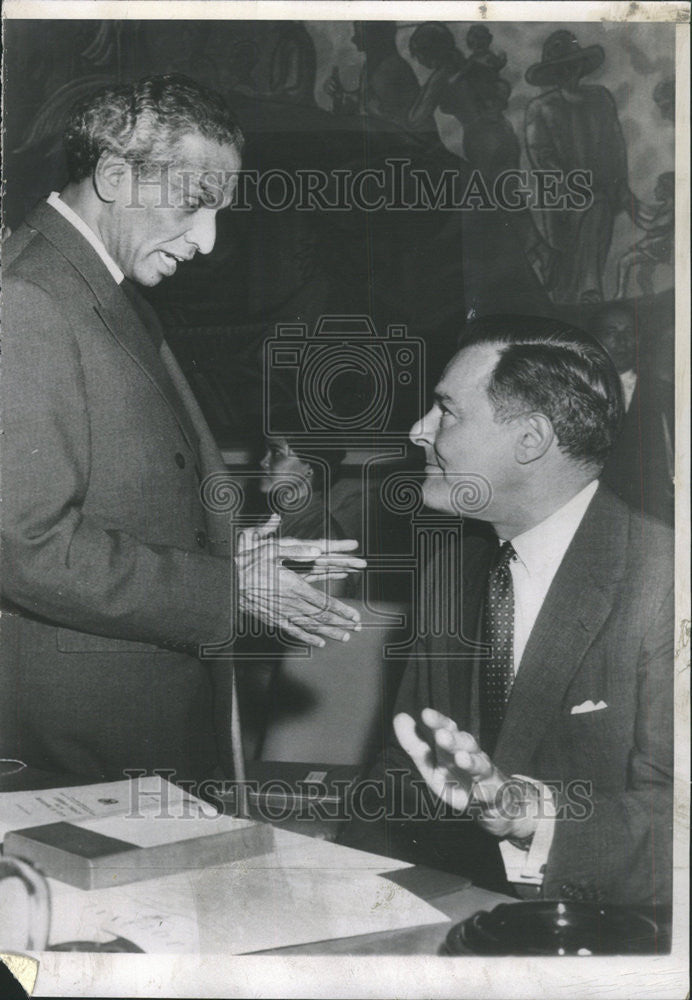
(503, 556)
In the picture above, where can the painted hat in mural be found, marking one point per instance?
(560, 49)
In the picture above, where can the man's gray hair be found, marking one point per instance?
(143, 122)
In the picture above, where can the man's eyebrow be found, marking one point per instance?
(442, 397)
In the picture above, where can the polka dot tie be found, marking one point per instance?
(497, 670)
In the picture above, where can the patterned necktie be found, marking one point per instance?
(497, 671)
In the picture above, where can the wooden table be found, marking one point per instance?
(327, 891)
(306, 894)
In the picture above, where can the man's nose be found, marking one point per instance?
(202, 233)
(266, 461)
(424, 430)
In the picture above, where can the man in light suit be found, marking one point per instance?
(546, 739)
(115, 572)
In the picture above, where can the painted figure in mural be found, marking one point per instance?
(479, 40)
(293, 64)
(657, 246)
(388, 86)
(433, 45)
(664, 98)
(569, 127)
(472, 90)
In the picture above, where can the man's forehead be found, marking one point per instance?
(206, 162)
(467, 371)
(198, 150)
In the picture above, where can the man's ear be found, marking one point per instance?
(110, 173)
(535, 438)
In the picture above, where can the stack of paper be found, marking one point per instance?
(121, 832)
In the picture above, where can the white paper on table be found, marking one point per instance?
(157, 915)
(297, 906)
(148, 796)
(305, 890)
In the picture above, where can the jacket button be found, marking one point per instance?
(180, 460)
(568, 890)
(201, 539)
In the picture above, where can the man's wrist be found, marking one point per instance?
(521, 805)
(525, 856)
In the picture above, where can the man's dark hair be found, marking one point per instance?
(286, 418)
(144, 121)
(553, 368)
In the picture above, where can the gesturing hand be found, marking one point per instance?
(457, 771)
(278, 596)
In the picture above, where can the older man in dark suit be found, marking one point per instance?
(114, 572)
(546, 738)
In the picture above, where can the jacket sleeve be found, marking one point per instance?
(59, 563)
(621, 850)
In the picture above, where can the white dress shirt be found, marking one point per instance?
(628, 381)
(80, 225)
(539, 552)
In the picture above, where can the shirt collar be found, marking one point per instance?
(542, 547)
(87, 232)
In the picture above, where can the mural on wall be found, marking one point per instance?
(379, 150)
(574, 125)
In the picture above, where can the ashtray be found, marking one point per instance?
(556, 927)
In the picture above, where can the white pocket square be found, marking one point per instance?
(587, 706)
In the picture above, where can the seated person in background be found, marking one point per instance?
(298, 483)
(640, 467)
(544, 737)
(613, 328)
(299, 475)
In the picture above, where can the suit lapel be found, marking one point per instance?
(578, 603)
(114, 306)
(127, 327)
(74, 248)
(218, 524)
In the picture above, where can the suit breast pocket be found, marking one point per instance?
(599, 745)
(69, 641)
(591, 720)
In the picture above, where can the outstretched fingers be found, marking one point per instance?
(417, 749)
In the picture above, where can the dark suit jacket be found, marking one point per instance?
(113, 572)
(604, 633)
(640, 467)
